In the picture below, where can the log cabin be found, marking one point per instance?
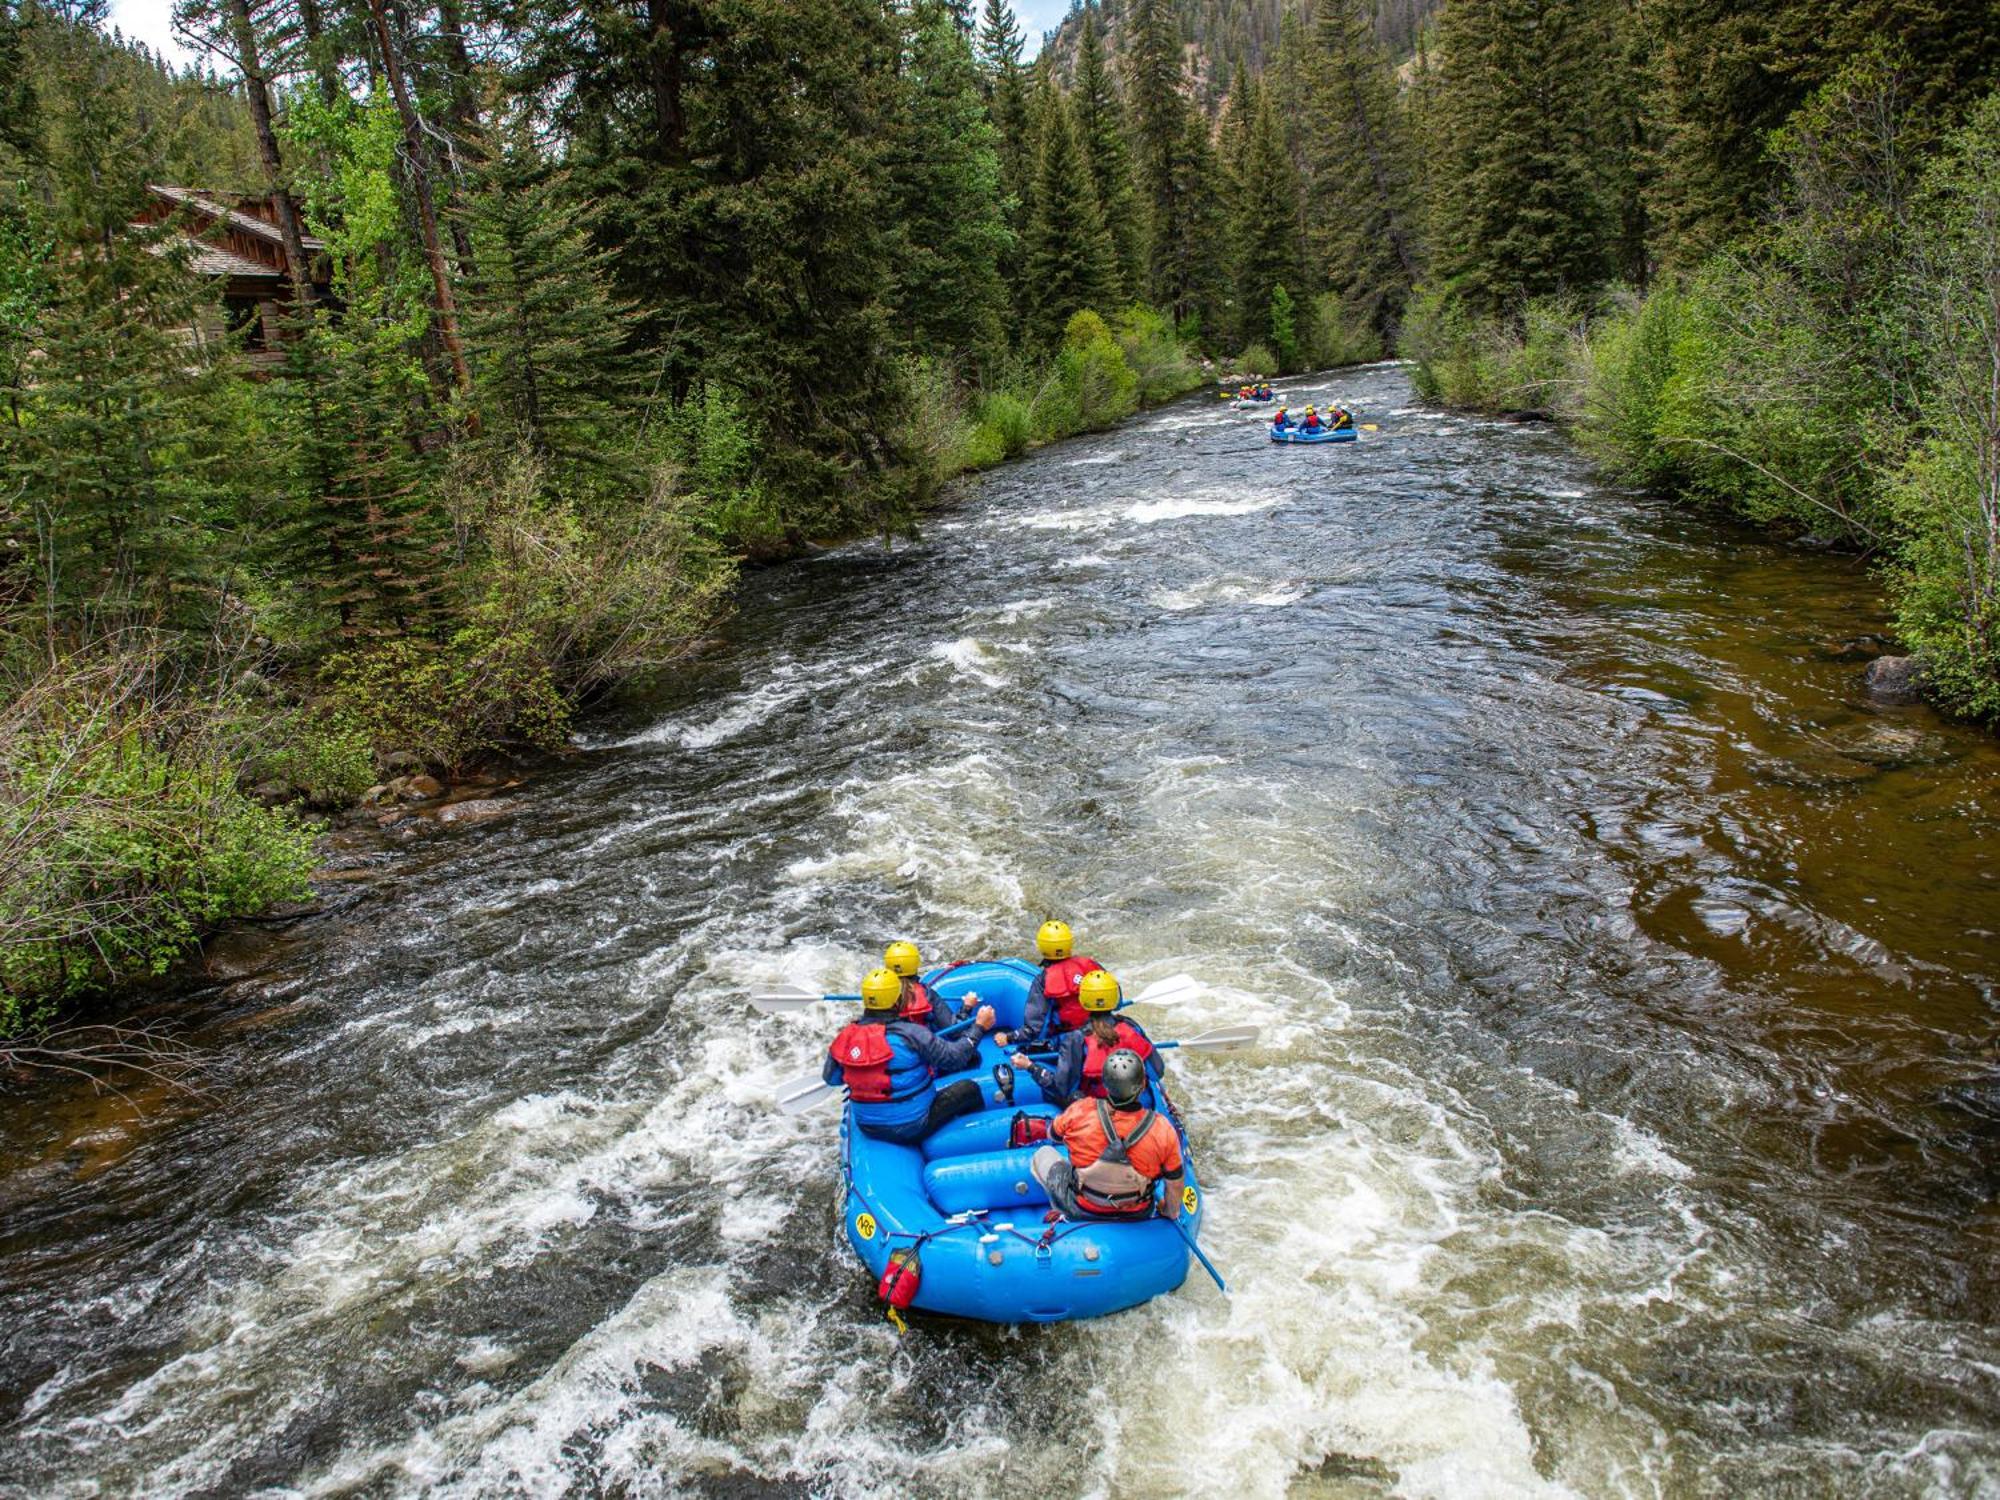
(234, 238)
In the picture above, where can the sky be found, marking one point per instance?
(151, 21)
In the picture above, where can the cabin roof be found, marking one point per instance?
(234, 218)
(213, 260)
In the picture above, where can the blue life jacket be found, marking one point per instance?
(912, 1085)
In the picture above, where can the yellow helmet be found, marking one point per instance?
(1054, 940)
(881, 990)
(1098, 992)
(903, 958)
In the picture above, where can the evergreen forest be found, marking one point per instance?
(592, 305)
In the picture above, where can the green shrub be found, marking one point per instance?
(450, 702)
(323, 756)
(126, 835)
(1945, 581)
(1338, 335)
(1009, 418)
(1256, 359)
(1158, 359)
(1107, 390)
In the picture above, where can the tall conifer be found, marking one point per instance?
(1071, 262)
(950, 213)
(1361, 211)
(1521, 210)
(1100, 120)
(1266, 238)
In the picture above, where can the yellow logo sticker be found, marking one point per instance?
(1188, 1200)
(865, 1226)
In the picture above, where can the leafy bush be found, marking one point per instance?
(123, 836)
(1009, 418)
(1338, 335)
(452, 701)
(1107, 390)
(323, 756)
(1156, 356)
(1256, 359)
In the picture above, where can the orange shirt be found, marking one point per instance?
(1156, 1154)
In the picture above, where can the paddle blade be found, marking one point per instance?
(1219, 1040)
(1370, 427)
(777, 1002)
(797, 1095)
(1175, 991)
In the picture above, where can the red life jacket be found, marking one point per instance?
(1094, 1053)
(862, 1053)
(1060, 979)
(916, 1002)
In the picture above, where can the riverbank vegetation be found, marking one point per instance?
(386, 388)
(1751, 255)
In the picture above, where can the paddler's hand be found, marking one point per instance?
(984, 1017)
(1170, 1203)
(1022, 1060)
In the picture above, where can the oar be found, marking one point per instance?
(1181, 987)
(1221, 1039)
(1206, 1264)
(809, 1091)
(1370, 427)
(777, 1002)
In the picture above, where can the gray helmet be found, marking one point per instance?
(1124, 1076)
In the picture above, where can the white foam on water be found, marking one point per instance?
(969, 657)
(1151, 512)
(1229, 591)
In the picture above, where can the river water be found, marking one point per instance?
(1619, 1125)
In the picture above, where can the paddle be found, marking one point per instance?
(1221, 1039)
(1370, 427)
(776, 1002)
(1206, 1264)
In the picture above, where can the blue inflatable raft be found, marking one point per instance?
(974, 1213)
(1325, 435)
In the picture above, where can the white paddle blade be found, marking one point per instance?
(797, 1095)
(1221, 1039)
(778, 1002)
(1174, 991)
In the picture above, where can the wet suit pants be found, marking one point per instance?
(960, 1098)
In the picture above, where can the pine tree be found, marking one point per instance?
(1162, 160)
(1100, 120)
(1520, 210)
(1269, 257)
(949, 210)
(548, 340)
(354, 540)
(1199, 249)
(1000, 47)
(121, 482)
(1071, 262)
(1361, 211)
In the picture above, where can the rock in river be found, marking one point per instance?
(1894, 679)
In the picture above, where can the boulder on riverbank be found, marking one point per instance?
(1894, 679)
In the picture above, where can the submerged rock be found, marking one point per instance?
(473, 810)
(1894, 679)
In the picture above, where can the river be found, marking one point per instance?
(1619, 1126)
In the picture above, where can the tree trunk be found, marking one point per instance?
(427, 222)
(259, 95)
